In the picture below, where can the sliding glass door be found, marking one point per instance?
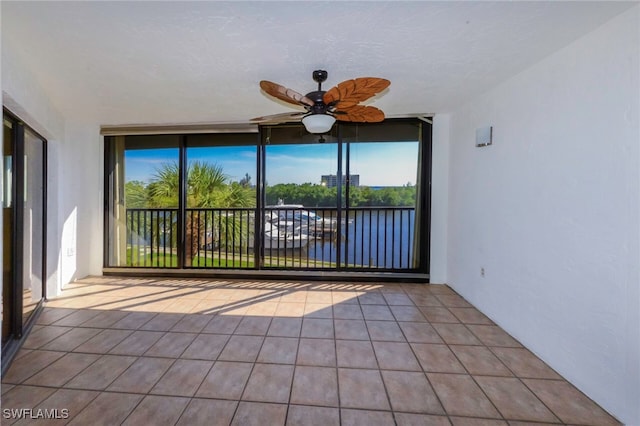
(9, 310)
(24, 235)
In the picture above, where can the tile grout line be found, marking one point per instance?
(465, 367)
(379, 370)
(424, 373)
(244, 388)
(404, 291)
(335, 348)
(295, 367)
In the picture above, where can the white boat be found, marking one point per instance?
(276, 239)
(295, 218)
(285, 227)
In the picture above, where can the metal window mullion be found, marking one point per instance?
(393, 238)
(145, 236)
(377, 238)
(412, 225)
(259, 215)
(182, 201)
(370, 235)
(401, 239)
(18, 226)
(339, 202)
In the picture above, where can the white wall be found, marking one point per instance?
(81, 202)
(74, 173)
(551, 211)
(22, 94)
(439, 199)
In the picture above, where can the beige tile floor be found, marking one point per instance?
(206, 352)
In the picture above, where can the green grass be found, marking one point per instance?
(221, 263)
(170, 260)
(151, 260)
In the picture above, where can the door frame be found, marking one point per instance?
(18, 329)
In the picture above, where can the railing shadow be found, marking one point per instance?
(171, 289)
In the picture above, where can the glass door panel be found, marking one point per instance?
(32, 222)
(221, 201)
(8, 283)
(24, 224)
(302, 186)
(381, 204)
(143, 176)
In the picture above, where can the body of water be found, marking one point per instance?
(371, 239)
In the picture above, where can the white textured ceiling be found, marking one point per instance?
(193, 62)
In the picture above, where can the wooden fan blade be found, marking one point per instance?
(280, 118)
(285, 94)
(352, 92)
(360, 114)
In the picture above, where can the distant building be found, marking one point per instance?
(331, 181)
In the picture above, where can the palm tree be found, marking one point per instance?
(207, 187)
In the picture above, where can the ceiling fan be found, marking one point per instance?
(323, 108)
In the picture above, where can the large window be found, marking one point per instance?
(361, 188)
(354, 199)
(176, 201)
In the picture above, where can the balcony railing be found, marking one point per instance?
(152, 238)
(364, 238)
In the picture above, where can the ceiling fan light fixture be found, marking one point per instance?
(318, 123)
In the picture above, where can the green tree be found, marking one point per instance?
(207, 187)
(313, 195)
(307, 194)
(135, 194)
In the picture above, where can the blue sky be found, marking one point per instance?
(378, 164)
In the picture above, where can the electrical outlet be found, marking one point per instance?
(482, 272)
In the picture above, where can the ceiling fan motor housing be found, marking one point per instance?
(319, 107)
